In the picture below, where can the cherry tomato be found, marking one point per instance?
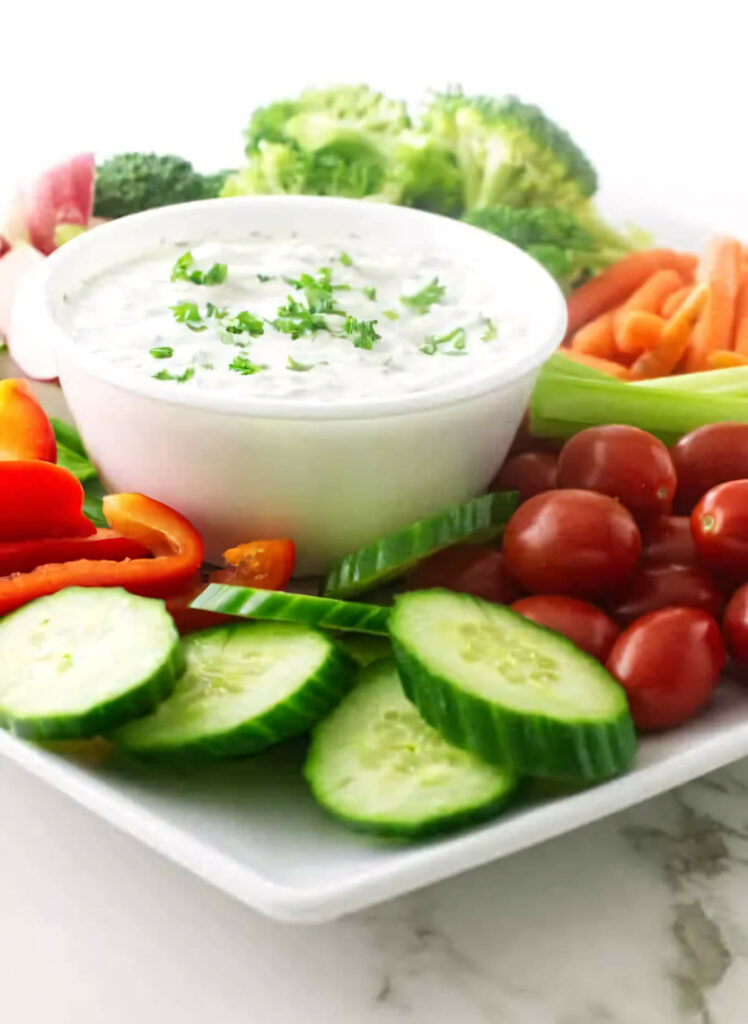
(584, 624)
(706, 457)
(571, 542)
(529, 473)
(624, 463)
(661, 586)
(669, 541)
(266, 564)
(735, 625)
(189, 620)
(470, 569)
(668, 662)
(719, 524)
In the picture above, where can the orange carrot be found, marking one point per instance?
(723, 360)
(674, 300)
(676, 336)
(648, 298)
(604, 365)
(720, 269)
(639, 332)
(596, 338)
(614, 285)
(740, 338)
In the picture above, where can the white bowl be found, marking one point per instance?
(332, 477)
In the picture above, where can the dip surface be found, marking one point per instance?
(126, 316)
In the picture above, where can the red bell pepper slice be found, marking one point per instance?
(25, 431)
(190, 620)
(24, 555)
(265, 564)
(175, 543)
(40, 499)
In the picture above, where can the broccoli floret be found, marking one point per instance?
(131, 182)
(276, 168)
(427, 174)
(566, 246)
(509, 152)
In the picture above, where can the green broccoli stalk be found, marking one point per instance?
(131, 182)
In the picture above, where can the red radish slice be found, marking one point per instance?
(4, 246)
(28, 347)
(61, 195)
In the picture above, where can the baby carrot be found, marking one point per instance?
(596, 337)
(740, 339)
(648, 298)
(674, 300)
(639, 332)
(614, 285)
(604, 365)
(720, 269)
(676, 335)
(723, 360)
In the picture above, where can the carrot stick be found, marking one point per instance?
(648, 298)
(676, 336)
(614, 285)
(720, 269)
(596, 338)
(722, 360)
(674, 300)
(740, 338)
(639, 332)
(604, 365)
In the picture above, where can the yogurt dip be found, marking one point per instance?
(239, 317)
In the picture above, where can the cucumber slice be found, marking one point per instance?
(365, 649)
(83, 661)
(246, 687)
(391, 557)
(508, 690)
(278, 604)
(378, 766)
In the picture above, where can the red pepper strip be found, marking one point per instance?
(266, 564)
(40, 499)
(23, 555)
(190, 620)
(25, 431)
(176, 544)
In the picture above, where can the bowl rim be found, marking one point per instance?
(40, 293)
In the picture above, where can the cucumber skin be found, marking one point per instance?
(503, 736)
(294, 717)
(104, 717)
(480, 519)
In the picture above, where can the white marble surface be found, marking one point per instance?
(640, 919)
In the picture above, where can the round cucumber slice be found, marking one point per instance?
(378, 766)
(508, 690)
(280, 605)
(393, 556)
(246, 687)
(83, 661)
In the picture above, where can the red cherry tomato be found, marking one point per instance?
(571, 542)
(668, 662)
(706, 457)
(669, 541)
(719, 525)
(584, 624)
(735, 625)
(661, 586)
(470, 569)
(529, 473)
(624, 463)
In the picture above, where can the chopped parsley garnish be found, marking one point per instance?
(187, 313)
(218, 312)
(183, 271)
(370, 292)
(296, 319)
(391, 314)
(162, 352)
(361, 332)
(180, 378)
(345, 259)
(263, 278)
(491, 332)
(245, 366)
(422, 301)
(243, 323)
(294, 364)
(318, 291)
(457, 337)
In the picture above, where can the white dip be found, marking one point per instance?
(125, 316)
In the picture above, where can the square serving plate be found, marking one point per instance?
(252, 829)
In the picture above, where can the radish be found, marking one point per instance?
(61, 195)
(28, 348)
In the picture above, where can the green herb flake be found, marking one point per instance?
(180, 378)
(422, 301)
(244, 323)
(491, 332)
(391, 314)
(345, 259)
(370, 292)
(457, 337)
(361, 332)
(294, 364)
(184, 270)
(187, 313)
(162, 352)
(264, 278)
(245, 366)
